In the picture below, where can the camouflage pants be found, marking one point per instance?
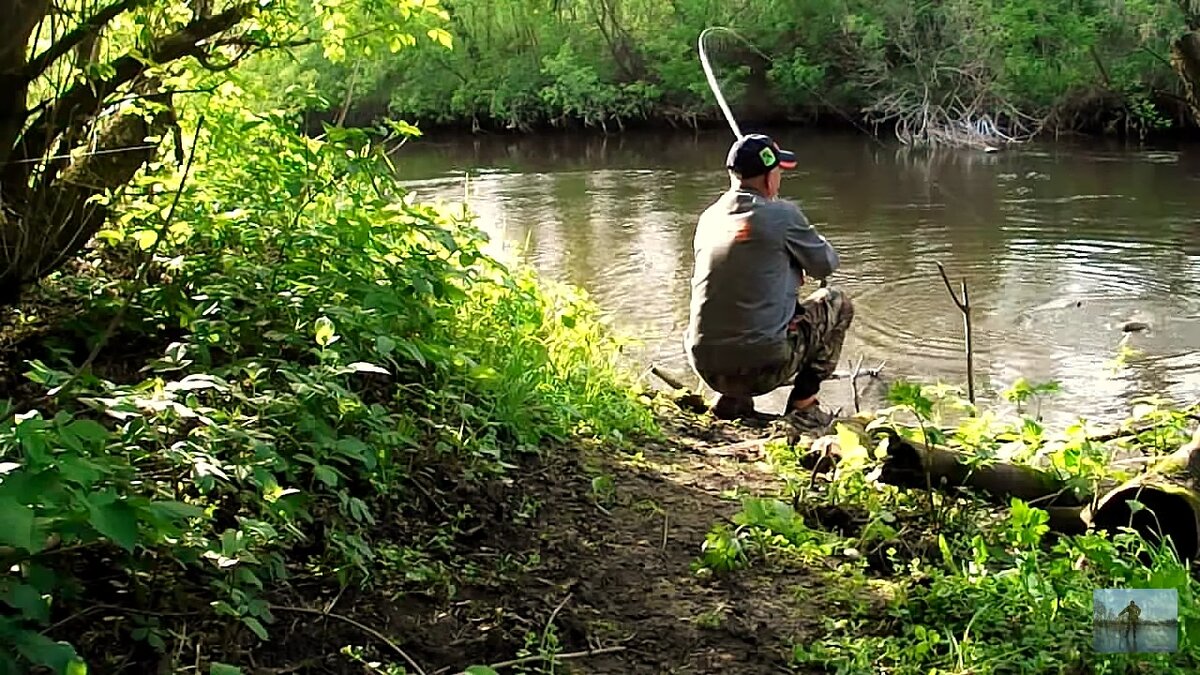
(815, 338)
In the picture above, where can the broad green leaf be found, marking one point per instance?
(385, 345)
(27, 599)
(76, 667)
(89, 430)
(480, 670)
(16, 524)
(171, 510)
(223, 669)
(117, 521)
(58, 656)
(326, 475)
(254, 625)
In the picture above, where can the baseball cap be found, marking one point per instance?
(756, 154)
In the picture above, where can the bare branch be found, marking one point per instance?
(950, 289)
(94, 23)
(244, 42)
(85, 98)
(854, 383)
(964, 306)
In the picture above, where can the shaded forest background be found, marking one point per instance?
(1109, 66)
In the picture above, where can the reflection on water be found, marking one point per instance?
(1059, 247)
(1154, 637)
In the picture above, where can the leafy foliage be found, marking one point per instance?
(603, 63)
(965, 587)
(320, 342)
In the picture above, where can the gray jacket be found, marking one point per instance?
(751, 257)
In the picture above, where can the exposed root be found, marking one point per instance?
(928, 120)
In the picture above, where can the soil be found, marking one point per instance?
(611, 573)
(605, 577)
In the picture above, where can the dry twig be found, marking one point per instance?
(854, 383)
(964, 306)
(557, 657)
(364, 628)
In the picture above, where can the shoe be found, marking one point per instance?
(732, 408)
(812, 419)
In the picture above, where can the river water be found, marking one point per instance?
(1059, 243)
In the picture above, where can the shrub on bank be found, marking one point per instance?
(307, 341)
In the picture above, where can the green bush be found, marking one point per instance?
(329, 337)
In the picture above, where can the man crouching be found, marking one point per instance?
(748, 334)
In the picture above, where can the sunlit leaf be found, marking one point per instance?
(145, 238)
(440, 36)
(324, 332)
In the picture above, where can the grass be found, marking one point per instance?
(952, 584)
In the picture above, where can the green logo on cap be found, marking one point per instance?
(767, 156)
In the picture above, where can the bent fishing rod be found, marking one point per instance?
(715, 87)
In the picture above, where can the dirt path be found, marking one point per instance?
(607, 571)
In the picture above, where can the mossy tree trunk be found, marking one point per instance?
(1185, 56)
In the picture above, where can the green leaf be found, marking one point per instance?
(89, 430)
(76, 667)
(58, 656)
(172, 510)
(117, 521)
(441, 37)
(16, 524)
(145, 238)
(385, 345)
(27, 599)
(218, 668)
(255, 626)
(480, 670)
(326, 474)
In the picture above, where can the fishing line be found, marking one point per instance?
(712, 78)
(716, 88)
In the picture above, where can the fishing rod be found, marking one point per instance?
(712, 79)
(716, 87)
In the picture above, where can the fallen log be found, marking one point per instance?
(912, 464)
(1163, 502)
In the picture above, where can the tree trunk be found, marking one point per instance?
(1185, 56)
(53, 164)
